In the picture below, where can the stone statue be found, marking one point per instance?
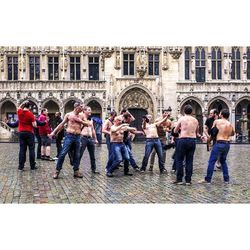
(117, 61)
(193, 64)
(245, 64)
(1, 63)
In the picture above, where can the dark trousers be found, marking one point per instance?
(39, 144)
(185, 150)
(26, 139)
(89, 143)
(58, 146)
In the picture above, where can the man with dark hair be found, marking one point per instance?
(185, 148)
(72, 139)
(221, 147)
(26, 135)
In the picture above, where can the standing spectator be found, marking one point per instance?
(44, 132)
(185, 147)
(26, 135)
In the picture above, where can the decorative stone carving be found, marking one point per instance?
(22, 62)
(245, 89)
(141, 63)
(1, 63)
(165, 61)
(106, 52)
(117, 60)
(227, 64)
(175, 53)
(39, 95)
(102, 62)
(64, 63)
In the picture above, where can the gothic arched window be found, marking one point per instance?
(216, 63)
(187, 63)
(200, 64)
(235, 74)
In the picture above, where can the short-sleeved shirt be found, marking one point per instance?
(209, 123)
(44, 130)
(25, 118)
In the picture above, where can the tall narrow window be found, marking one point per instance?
(128, 64)
(53, 68)
(94, 68)
(216, 63)
(248, 63)
(200, 64)
(187, 63)
(235, 74)
(13, 68)
(153, 64)
(75, 68)
(34, 62)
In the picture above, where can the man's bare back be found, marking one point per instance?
(188, 125)
(225, 128)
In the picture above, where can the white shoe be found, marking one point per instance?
(55, 158)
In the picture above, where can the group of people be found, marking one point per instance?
(80, 134)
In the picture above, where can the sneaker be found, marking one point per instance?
(150, 168)
(48, 158)
(178, 182)
(34, 168)
(55, 158)
(77, 174)
(188, 183)
(173, 171)
(108, 174)
(20, 169)
(128, 174)
(226, 182)
(142, 170)
(204, 182)
(95, 172)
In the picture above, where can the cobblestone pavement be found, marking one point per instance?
(39, 187)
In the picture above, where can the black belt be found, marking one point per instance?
(223, 142)
(87, 136)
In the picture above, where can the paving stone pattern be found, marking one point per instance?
(150, 187)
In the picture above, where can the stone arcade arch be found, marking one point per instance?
(96, 108)
(139, 103)
(197, 112)
(217, 104)
(52, 107)
(242, 116)
(8, 110)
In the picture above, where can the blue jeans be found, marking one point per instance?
(185, 150)
(74, 142)
(26, 139)
(107, 137)
(89, 143)
(219, 151)
(131, 157)
(119, 154)
(153, 143)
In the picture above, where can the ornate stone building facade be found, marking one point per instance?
(143, 79)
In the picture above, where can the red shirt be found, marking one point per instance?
(44, 130)
(25, 119)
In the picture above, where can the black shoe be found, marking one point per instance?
(142, 170)
(163, 171)
(20, 169)
(34, 168)
(48, 158)
(77, 174)
(43, 157)
(108, 174)
(128, 174)
(178, 182)
(95, 172)
(136, 168)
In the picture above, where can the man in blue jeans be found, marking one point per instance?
(185, 148)
(221, 147)
(152, 142)
(118, 148)
(72, 139)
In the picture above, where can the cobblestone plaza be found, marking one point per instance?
(39, 187)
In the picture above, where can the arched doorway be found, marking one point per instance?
(8, 110)
(34, 108)
(218, 105)
(52, 109)
(69, 106)
(139, 103)
(96, 108)
(242, 118)
(197, 112)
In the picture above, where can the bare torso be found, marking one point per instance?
(74, 127)
(225, 129)
(151, 131)
(188, 126)
(118, 135)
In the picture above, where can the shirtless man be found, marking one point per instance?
(162, 129)
(152, 141)
(72, 138)
(185, 147)
(118, 148)
(88, 139)
(221, 147)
